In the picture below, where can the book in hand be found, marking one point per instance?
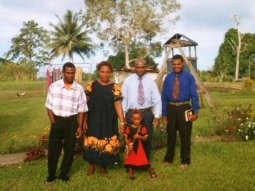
(187, 114)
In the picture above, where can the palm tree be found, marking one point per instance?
(69, 37)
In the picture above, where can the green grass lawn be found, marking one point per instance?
(22, 119)
(215, 166)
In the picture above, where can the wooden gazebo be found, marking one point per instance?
(181, 40)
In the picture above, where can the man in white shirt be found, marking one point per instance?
(66, 104)
(140, 92)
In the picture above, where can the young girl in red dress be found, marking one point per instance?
(135, 136)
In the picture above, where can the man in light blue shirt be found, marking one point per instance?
(140, 92)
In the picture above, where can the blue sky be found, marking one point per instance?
(204, 21)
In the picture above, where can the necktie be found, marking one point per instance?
(140, 97)
(176, 88)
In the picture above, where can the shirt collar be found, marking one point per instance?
(137, 77)
(179, 72)
(73, 86)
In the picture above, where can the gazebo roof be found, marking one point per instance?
(180, 39)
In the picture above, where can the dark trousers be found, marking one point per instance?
(147, 122)
(176, 121)
(62, 135)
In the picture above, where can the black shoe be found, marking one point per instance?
(51, 178)
(64, 178)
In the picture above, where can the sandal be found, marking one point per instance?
(153, 175)
(132, 178)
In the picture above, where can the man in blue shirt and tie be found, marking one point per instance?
(140, 92)
(179, 89)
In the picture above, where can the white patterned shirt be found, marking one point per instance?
(65, 102)
(151, 94)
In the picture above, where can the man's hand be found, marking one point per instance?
(193, 117)
(85, 126)
(164, 119)
(155, 122)
(78, 133)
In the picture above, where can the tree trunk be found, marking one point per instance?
(238, 51)
(126, 56)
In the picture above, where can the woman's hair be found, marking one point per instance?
(104, 63)
(134, 112)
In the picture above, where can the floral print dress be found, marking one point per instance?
(101, 144)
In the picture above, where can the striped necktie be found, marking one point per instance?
(176, 87)
(140, 97)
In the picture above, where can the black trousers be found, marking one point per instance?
(62, 135)
(147, 122)
(176, 121)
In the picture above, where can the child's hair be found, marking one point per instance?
(135, 111)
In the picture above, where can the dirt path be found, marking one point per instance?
(17, 158)
(10, 159)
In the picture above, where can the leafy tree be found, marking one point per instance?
(123, 24)
(30, 45)
(136, 51)
(69, 36)
(225, 62)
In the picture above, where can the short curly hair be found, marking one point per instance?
(104, 63)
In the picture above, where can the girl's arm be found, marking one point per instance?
(128, 143)
(141, 137)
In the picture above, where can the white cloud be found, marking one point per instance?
(204, 21)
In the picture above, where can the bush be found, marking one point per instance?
(239, 123)
(247, 129)
(38, 151)
(11, 71)
(248, 82)
(159, 137)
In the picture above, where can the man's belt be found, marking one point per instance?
(142, 110)
(179, 103)
(66, 118)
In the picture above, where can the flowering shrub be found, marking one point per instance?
(39, 151)
(247, 129)
(238, 123)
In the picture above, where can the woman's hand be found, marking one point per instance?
(121, 128)
(130, 146)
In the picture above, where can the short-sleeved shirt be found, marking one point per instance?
(65, 102)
